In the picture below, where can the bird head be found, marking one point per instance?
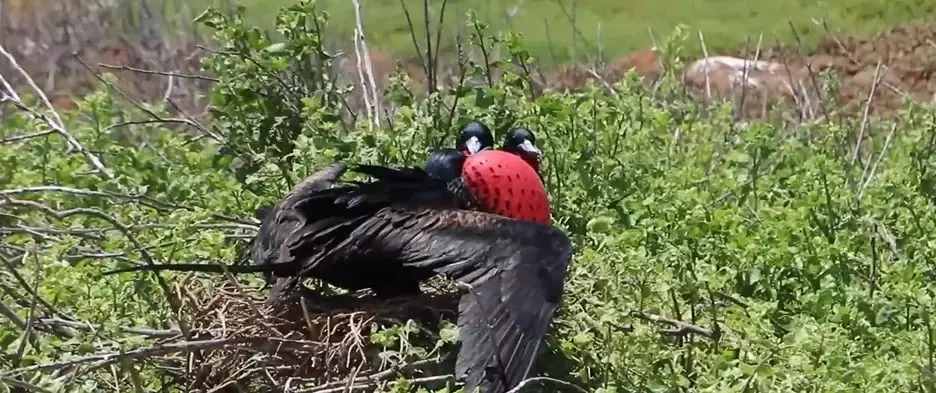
(522, 142)
(474, 137)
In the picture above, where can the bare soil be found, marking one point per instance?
(51, 43)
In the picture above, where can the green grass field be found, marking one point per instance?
(622, 25)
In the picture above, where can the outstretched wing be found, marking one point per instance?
(279, 222)
(513, 270)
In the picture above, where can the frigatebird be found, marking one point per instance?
(491, 235)
(442, 164)
(522, 142)
(446, 164)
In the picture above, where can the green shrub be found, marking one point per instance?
(710, 255)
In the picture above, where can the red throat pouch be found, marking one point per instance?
(503, 183)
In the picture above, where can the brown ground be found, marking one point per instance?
(46, 42)
(50, 42)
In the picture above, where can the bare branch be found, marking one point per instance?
(8, 312)
(140, 353)
(55, 121)
(541, 380)
(708, 82)
(25, 285)
(412, 30)
(148, 332)
(153, 115)
(19, 138)
(144, 253)
(681, 328)
(103, 359)
(867, 111)
(23, 385)
(371, 386)
(375, 377)
(880, 157)
(151, 72)
(360, 57)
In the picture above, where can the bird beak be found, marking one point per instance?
(528, 147)
(473, 145)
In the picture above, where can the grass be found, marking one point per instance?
(622, 26)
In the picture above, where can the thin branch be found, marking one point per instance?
(378, 376)
(431, 78)
(25, 285)
(145, 122)
(143, 108)
(412, 29)
(867, 111)
(812, 74)
(18, 138)
(8, 312)
(878, 161)
(136, 354)
(23, 385)
(144, 200)
(439, 25)
(144, 253)
(708, 83)
(604, 82)
(85, 326)
(365, 67)
(681, 328)
(544, 380)
(163, 73)
(55, 122)
(32, 84)
(484, 54)
(371, 386)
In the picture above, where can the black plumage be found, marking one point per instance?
(404, 227)
(446, 164)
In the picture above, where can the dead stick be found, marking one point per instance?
(867, 112)
(152, 72)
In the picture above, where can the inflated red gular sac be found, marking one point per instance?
(507, 181)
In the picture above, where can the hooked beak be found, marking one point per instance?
(473, 145)
(528, 147)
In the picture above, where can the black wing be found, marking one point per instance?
(445, 164)
(373, 235)
(281, 220)
(514, 273)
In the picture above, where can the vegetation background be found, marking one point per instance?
(713, 252)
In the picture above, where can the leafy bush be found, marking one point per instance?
(710, 255)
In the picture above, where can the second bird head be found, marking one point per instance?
(522, 142)
(474, 137)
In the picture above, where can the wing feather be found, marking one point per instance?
(515, 273)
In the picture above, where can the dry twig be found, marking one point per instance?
(152, 72)
(53, 121)
(867, 111)
(680, 328)
(543, 380)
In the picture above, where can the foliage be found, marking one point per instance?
(710, 255)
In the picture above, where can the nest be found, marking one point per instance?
(315, 344)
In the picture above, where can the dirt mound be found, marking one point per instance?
(836, 78)
(45, 36)
(907, 57)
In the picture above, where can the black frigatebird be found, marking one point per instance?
(446, 164)
(522, 142)
(443, 164)
(405, 226)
